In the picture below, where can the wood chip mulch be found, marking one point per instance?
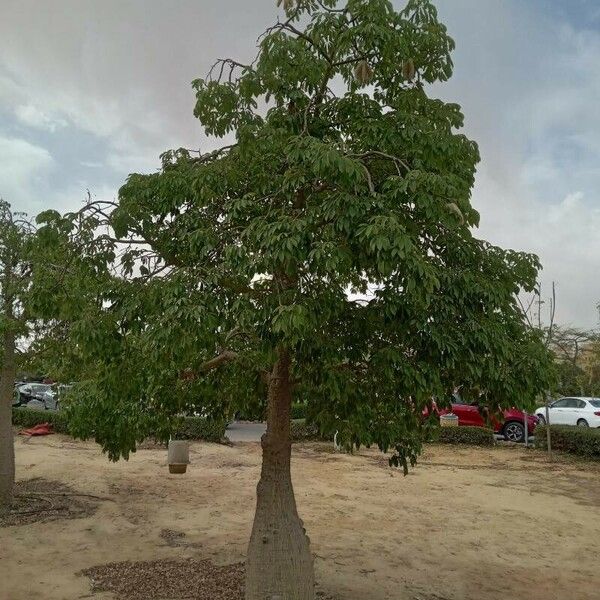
(174, 579)
(40, 500)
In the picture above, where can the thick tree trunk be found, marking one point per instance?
(279, 564)
(7, 449)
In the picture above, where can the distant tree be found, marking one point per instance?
(577, 354)
(15, 235)
(326, 253)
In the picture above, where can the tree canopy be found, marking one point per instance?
(338, 224)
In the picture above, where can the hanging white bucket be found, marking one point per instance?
(179, 456)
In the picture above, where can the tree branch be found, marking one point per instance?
(225, 357)
(371, 153)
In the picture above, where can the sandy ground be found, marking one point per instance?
(466, 524)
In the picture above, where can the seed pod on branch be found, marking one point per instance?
(408, 69)
(453, 208)
(363, 72)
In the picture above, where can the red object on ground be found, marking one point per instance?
(41, 429)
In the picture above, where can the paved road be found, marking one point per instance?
(241, 431)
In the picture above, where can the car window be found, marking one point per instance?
(580, 403)
(595, 403)
(562, 403)
(456, 399)
(572, 403)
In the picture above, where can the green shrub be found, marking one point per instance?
(29, 417)
(582, 441)
(477, 436)
(299, 410)
(254, 412)
(301, 431)
(199, 428)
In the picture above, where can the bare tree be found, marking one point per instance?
(532, 312)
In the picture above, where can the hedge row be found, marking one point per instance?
(198, 428)
(257, 413)
(582, 441)
(476, 436)
(188, 428)
(29, 417)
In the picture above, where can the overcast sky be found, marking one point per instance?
(91, 90)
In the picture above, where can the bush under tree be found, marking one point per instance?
(583, 441)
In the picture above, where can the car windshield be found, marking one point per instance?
(595, 403)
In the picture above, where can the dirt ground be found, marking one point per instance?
(465, 524)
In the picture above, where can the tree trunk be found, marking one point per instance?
(7, 449)
(279, 565)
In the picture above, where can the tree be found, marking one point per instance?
(326, 253)
(15, 235)
(576, 354)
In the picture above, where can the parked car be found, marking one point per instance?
(511, 426)
(573, 410)
(32, 392)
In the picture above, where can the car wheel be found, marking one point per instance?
(582, 423)
(514, 432)
(541, 419)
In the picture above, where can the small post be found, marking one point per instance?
(526, 430)
(548, 436)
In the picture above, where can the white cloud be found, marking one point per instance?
(532, 107)
(110, 72)
(23, 168)
(30, 115)
(28, 180)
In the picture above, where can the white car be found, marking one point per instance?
(584, 412)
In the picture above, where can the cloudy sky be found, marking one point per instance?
(91, 90)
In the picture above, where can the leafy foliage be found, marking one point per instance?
(16, 234)
(299, 410)
(338, 225)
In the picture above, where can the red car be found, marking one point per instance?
(512, 427)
